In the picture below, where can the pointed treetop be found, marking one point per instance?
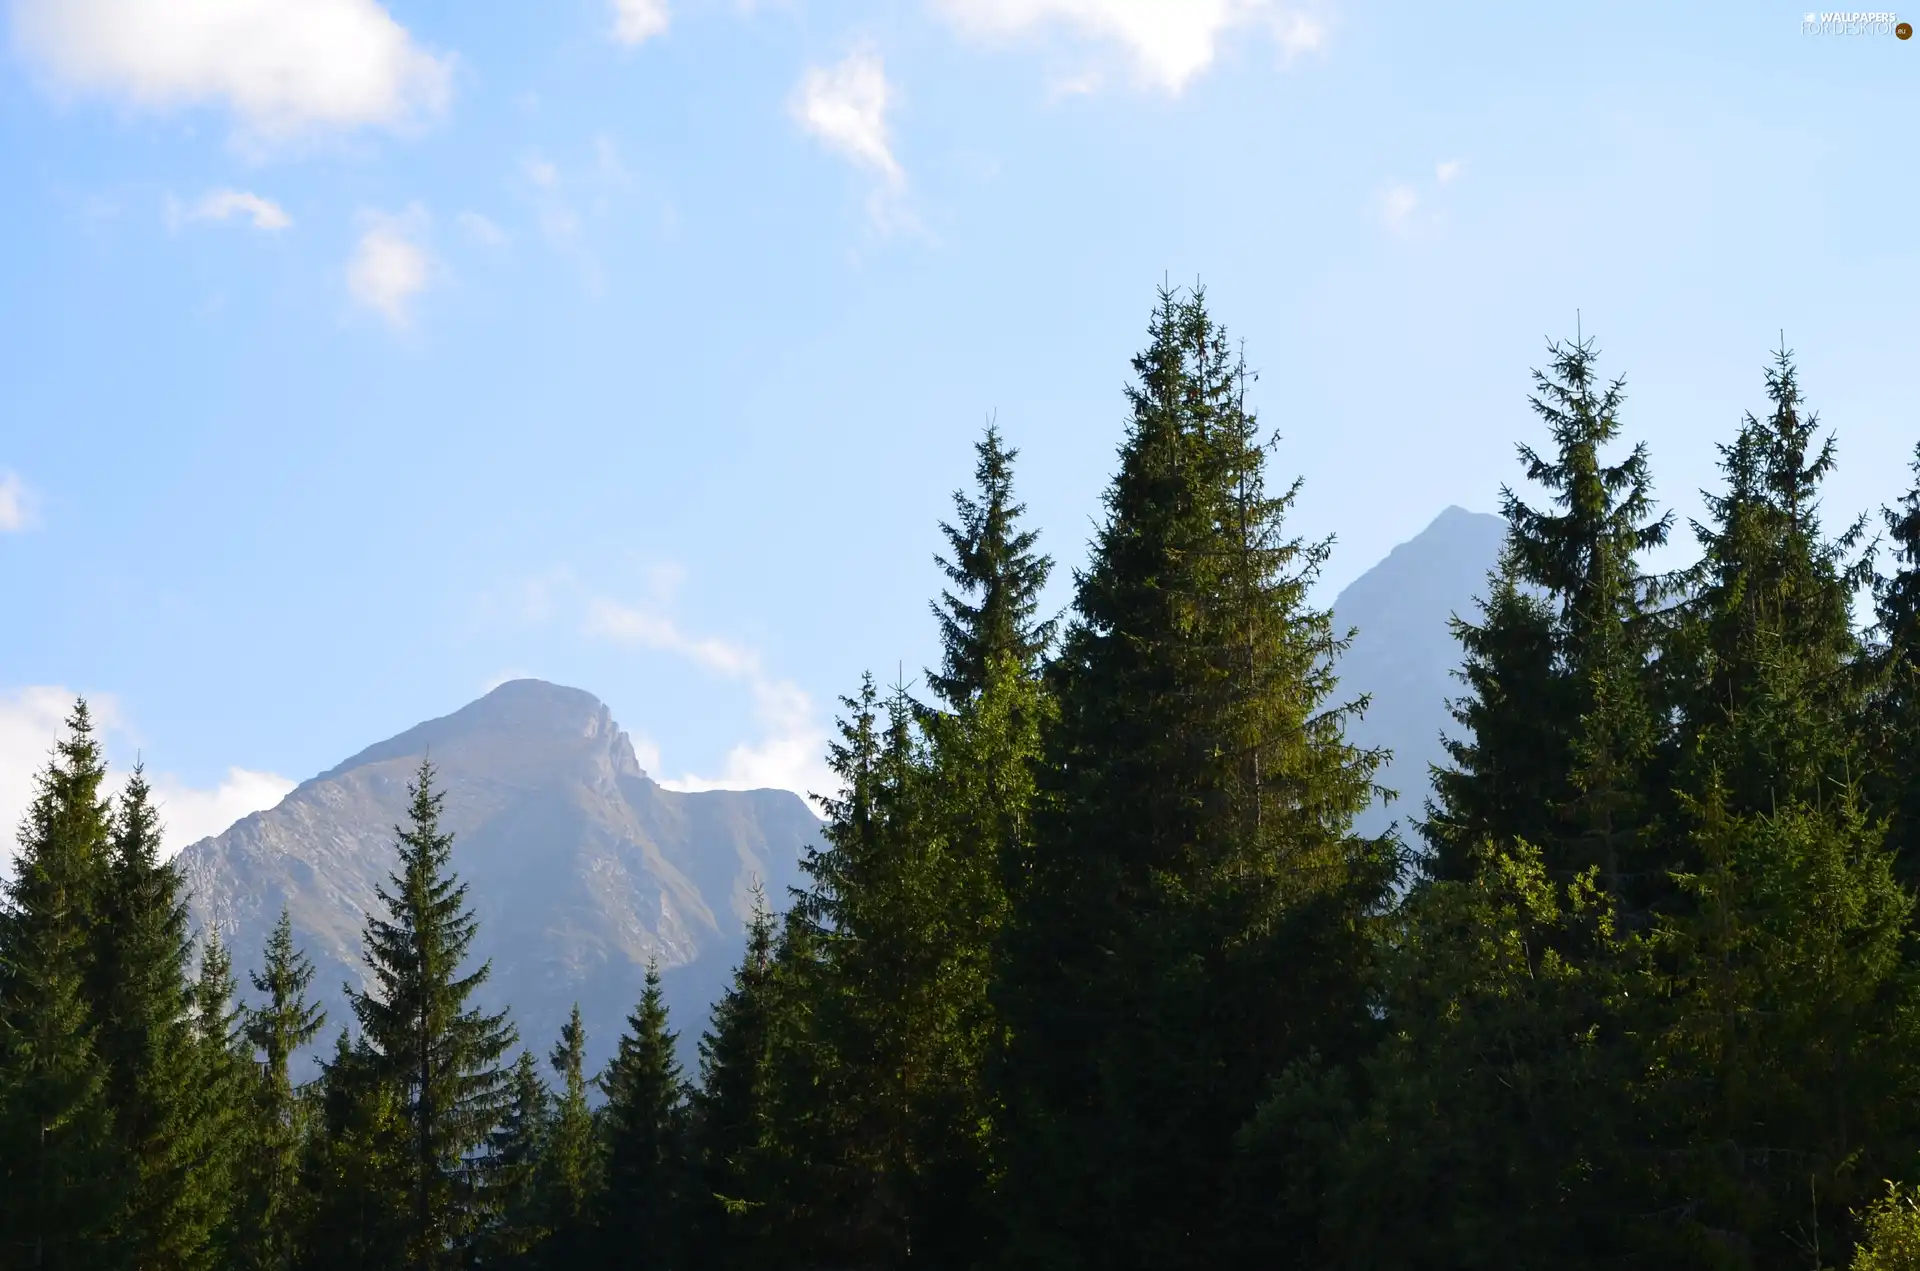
(998, 577)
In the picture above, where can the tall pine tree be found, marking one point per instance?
(641, 1220)
(1192, 915)
(282, 1024)
(172, 1116)
(63, 1175)
(999, 576)
(731, 1214)
(1563, 717)
(438, 1054)
(570, 1174)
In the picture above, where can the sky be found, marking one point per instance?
(357, 355)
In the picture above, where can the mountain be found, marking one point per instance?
(579, 866)
(1404, 652)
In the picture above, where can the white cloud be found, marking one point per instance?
(222, 205)
(637, 21)
(845, 106)
(188, 815)
(283, 67)
(481, 230)
(1170, 42)
(1445, 172)
(16, 504)
(32, 719)
(389, 266)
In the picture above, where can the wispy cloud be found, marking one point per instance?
(224, 205)
(16, 504)
(789, 751)
(845, 107)
(1447, 171)
(389, 267)
(637, 21)
(1170, 43)
(283, 69)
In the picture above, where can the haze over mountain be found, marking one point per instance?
(1404, 653)
(580, 867)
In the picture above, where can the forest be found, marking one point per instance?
(1090, 970)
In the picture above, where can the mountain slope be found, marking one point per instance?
(579, 866)
(1404, 652)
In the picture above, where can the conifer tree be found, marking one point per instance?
(730, 1216)
(1892, 748)
(515, 1149)
(570, 1164)
(1791, 1007)
(999, 575)
(170, 1115)
(1192, 915)
(63, 1177)
(282, 1024)
(640, 1220)
(438, 1055)
(224, 1072)
(1562, 711)
(356, 1168)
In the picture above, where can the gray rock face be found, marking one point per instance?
(1404, 653)
(579, 867)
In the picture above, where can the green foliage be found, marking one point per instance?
(1000, 578)
(357, 1168)
(732, 1213)
(1089, 970)
(1563, 741)
(1892, 1234)
(570, 1171)
(517, 1236)
(62, 1175)
(171, 1093)
(644, 1201)
(435, 1059)
(284, 1023)
(1192, 914)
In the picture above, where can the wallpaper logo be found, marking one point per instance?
(1856, 22)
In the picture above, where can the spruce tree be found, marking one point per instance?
(63, 1175)
(999, 575)
(1893, 719)
(356, 1168)
(436, 1054)
(282, 1024)
(1563, 715)
(570, 1164)
(224, 1076)
(1782, 1073)
(730, 1218)
(1193, 913)
(518, 1233)
(641, 1212)
(171, 1114)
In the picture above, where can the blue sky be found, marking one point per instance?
(357, 355)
